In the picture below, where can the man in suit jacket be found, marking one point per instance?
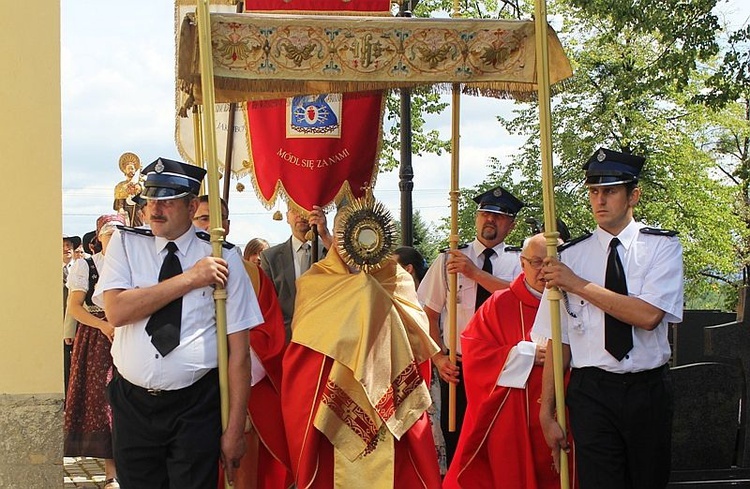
(285, 262)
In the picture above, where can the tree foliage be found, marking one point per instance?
(641, 84)
(649, 78)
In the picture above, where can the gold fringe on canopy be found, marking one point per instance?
(266, 56)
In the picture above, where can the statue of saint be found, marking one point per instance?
(130, 165)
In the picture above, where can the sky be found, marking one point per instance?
(118, 96)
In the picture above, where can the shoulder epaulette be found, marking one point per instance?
(207, 237)
(570, 243)
(459, 247)
(659, 232)
(141, 231)
(516, 249)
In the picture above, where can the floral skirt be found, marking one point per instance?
(88, 416)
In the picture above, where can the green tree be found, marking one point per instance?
(727, 137)
(425, 241)
(635, 78)
(642, 73)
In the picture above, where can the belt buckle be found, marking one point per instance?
(154, 392)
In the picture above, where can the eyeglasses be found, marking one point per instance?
(536, 263)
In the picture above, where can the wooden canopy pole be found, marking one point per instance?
(550, 224)
(214, 204)
(453, 239)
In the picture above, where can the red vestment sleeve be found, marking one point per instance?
(271, 468)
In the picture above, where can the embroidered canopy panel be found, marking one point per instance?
(268, 56)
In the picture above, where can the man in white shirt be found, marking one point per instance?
(621, 287)
(165, 398)
(483, 266)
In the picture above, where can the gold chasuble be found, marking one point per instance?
(371, 325)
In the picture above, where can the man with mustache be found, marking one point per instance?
(157, 288)
(483, 266)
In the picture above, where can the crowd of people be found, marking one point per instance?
(340, 378)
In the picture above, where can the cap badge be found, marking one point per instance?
(601, 156)
(497, 192)
(159, 167)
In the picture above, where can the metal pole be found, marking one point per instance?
(550, 224)
(406, 172)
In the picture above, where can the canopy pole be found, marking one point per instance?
(453, 243)
(453, 239)
(230, 138)
(214, 204)
(198, 141)
(550, 224)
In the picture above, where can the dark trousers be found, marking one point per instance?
(451, 438)
(622, 427)
(167, 440)
(67, 350)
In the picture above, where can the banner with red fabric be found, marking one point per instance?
(315, 150)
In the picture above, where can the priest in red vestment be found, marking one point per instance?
(501, 443)
(355, 379)
(265, 464)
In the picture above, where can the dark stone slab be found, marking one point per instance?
(732, 342)
(710, 479)
(688, 336)
(707, 413)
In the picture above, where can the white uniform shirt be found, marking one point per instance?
(653, 270)
(134, 260)
(433, 290)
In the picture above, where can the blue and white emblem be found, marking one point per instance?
(314, 116)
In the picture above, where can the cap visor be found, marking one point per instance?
(162, 193)
(495, 210)
(606, 181)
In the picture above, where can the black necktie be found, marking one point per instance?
(618, 336)
(482, 293)
(164, 324)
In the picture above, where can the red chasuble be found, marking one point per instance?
(266, 463)
(501, 443)
(310, 451)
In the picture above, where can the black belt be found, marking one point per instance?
(211, 376)
(625, 378)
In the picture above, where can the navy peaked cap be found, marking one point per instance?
(499, 201)
(607, 167)
(169, 179)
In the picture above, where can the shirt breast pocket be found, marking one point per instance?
(574, 309)
(466, 296)
(202, 305)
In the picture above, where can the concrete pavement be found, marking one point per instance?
(83, 472)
